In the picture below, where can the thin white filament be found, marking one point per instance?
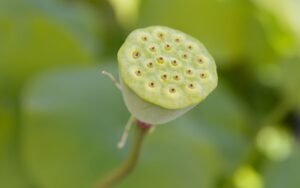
(124, 136)
(112, 78)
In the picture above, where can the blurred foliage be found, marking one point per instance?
(221, 25)
(39, 34)
(60, 119)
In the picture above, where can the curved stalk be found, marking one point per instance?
(127, 167)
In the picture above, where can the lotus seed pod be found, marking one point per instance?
(164, 73)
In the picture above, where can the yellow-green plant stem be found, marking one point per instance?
(127, 167)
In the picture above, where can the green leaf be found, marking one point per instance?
(12, 175)
(37, 35)
(73, 119)
(224, 121)
(290, 80)
(208, 21)
(279, 21)
(284, 174)
(72, 122)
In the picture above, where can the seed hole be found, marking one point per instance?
(172, 90)
(152, 49)
(160, 60)
(203, 75)
(189, 71)
(177, 40)
(138, 73)
(160, 35)
(184, 56)
(136, 54)
(151, 84)
(168, 47)
(191, 86)
(176, 77)
(190, 47)
(150, 65)
(164, 77)
(200, 60)
(145, 38)
(174, 63)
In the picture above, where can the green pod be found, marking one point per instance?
(164, 73)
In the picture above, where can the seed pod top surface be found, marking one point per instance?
(167, 67)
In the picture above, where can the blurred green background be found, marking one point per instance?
(60, 119)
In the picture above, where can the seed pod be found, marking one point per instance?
(166, 75)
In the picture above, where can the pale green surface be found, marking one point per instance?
(148, 112)
(79, 146)
(167, 67)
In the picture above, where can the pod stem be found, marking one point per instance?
(128, 166)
